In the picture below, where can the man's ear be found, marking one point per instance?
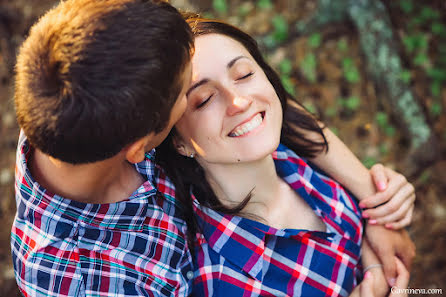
(135, 152)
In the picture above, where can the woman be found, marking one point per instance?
(262, 221)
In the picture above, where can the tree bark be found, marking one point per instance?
(383, 64)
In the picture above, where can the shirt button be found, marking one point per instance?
(190, 274)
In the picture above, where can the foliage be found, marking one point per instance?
(264, 4)
(220, 6)
(308, 67)
(351, 72)
(280, 28)
(383, 122)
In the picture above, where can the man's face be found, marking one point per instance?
(177, 110)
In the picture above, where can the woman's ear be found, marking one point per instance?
(181, 147)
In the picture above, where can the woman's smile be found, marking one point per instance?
(248, 126)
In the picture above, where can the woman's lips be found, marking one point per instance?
(247, 126)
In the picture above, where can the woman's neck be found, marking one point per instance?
(233, 182)
(272, 199)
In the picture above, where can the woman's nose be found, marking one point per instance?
(238, 104)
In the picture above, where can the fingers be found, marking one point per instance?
(404, 222)
(386, 256)
(397, 192)
(406, 250)
(384, 215)
(396, 181)
(403, 274)
(402, 280)
(379, 176)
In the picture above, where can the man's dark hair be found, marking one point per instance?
(94, 76)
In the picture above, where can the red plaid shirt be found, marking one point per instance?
(61, 247)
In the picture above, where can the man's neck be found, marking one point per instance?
(107, 181)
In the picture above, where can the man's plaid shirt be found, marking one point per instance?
(240, 257)
(61, 247)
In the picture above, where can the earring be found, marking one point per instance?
(191, 155)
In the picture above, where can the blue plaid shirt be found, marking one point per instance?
(62, 247)
(236, 256)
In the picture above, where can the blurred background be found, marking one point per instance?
(373, 70)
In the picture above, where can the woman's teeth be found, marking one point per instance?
(247, 127)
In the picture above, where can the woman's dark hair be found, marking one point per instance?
(186, 172)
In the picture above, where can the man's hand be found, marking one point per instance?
(387, 244)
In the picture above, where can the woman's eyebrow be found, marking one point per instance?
(232, 62)
(206, 80)
(196, 85)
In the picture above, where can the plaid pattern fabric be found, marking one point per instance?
(65, 248)
(240, 257)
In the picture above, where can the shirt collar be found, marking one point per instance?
(33, 199)
(226, 233)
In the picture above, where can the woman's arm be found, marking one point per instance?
(395, 193)
(371, 263)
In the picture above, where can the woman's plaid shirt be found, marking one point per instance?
(65, 248)
(240, 257)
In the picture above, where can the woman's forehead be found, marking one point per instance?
(217, 46)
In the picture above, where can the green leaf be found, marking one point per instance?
(436, 88)
(384, 149)
(351, 73)
(221, 6)
(315, 40)
(381, 119)
(420, 59)
(405, 76)
(437, 74)
(269, 41)
(286, 66)
(244, 9)
(369, 161)
(347, 62)
(428, 14)
(280, 26)
(264, 4)
(390, 130)
(406, 6)
(414, 42)
(436, 109)
(308, 67)
(288, 84)
(342, 45)
(439, 29)
(331, 111)
(351, 103)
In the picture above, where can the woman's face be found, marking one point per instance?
(233, 113)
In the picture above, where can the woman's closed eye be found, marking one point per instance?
(203, 102)
(245, 76)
